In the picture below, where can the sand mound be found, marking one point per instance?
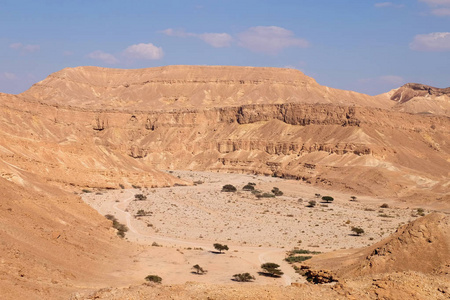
(421, 246)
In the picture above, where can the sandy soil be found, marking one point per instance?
(185, 221)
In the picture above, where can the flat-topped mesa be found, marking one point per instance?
(413, 90)
(180, 87)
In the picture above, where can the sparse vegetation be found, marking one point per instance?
(86, 191)
(153, 278)
(276, 191)
(142, 213)
(384, 205)
(272, 269)
(311, 203)
(327, 199)
(358, 230)
(121, 186)
(420, 212)
(248, 187)
(303, 251)
(220, 247)
(229, 188)
(121, 228)
(317, 195)
(294, 259)
(243, 277)
(265, 195)
(353, 198)
(140, 197)
(199, 270)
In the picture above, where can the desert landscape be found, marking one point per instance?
(110, 176)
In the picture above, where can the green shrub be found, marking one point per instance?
(292, 259)
(265, 195)
(243, 277)
(248, 187)
(303, 251)
(153, 278)
(229, 188)
(199, 270)
(276, 191)
(140, 197)
(327, 199)
(220, 247)
(357, 230)
(121, 228)
(311, 203)
(272, 269)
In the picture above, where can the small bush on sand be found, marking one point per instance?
(243, 277)
(229, 188)
(153, 278)
(272, 269)
(358, 230)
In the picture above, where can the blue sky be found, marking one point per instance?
(369, 46)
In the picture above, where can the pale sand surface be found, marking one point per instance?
(187, 220)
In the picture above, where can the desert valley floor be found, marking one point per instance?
(185, 221)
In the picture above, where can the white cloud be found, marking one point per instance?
(25, 48)
(10, 76)
(436, 41)
(177, 32)
(269, 39)
(217, 40)
(16, 46)
(441, 12)
(144, 51)
(440, 8)
(392, 79)
(103, 56)
(388, 4)
(436, 2)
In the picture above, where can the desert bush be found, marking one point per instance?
(317, 195)
(421, 212)
(311, 203)
(199, 270)
(276, 191)
(384, 205)
(229, 188)
(220, 247)
(265, 195)
(353, 198)
(357, 230)
(86, 191)
(121, 186)
(293, 259)
(303, 251)
(121, 228)
(272, 269)
(140, 197)
(243, 277)
(248, 187)
(327, 199)
(153, 278)
(142, 213)
(385, 216)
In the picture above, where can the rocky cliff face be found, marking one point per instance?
(230, 120)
